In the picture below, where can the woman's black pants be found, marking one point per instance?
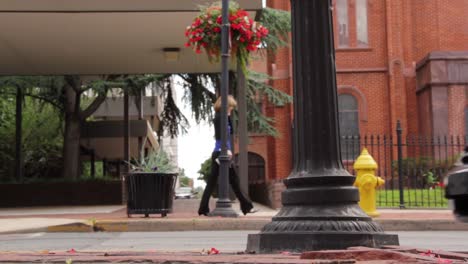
(245, 203)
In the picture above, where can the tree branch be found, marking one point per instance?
(73, 81)
(208, 92)
(93, 106)
(40, 98)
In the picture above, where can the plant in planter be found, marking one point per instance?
(150, 185)
(155, 162)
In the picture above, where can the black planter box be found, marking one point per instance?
(61, 193)
(150, 193)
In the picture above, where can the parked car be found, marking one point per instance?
(184, 193)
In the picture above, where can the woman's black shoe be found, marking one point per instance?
(247, 209)
(203, 212)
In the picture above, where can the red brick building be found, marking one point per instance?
(401, 60)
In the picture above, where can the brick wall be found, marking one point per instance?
(439, 25)
(456, 105)
(381, 76)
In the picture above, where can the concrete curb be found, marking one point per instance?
(25, 231)
(194, 224)
(422, 225)
(77, 227)
(219, 224)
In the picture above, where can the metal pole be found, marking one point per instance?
(19, 135)
(223, 204)
(140, 117)
(320, 205)
(126, 145)
(126, 154)
(399, 131)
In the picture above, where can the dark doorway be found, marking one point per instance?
(258, 190)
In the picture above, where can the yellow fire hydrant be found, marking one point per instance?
(367, 182)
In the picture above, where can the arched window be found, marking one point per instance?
(349, 126)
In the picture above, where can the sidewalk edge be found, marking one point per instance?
(197, 224)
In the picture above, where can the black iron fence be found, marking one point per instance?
(413, 166)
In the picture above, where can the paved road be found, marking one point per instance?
(226, 241)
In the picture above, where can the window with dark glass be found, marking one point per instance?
(361, 23)
(343, 22)
(349, 126)
(352, 20)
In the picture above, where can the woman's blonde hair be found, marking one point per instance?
(231, 103)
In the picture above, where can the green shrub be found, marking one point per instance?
(423, 172)
(42, 139)
(205, 170)
(86, 170)
(184, 181)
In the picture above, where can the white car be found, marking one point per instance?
(184, 193)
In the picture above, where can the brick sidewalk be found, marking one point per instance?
(390, 254)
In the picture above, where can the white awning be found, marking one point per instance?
(48, 37)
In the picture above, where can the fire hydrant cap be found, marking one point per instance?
(365, 161)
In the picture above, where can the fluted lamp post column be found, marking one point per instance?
(223, 204)
(320, 205)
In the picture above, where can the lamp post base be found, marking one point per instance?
(223, 209)
(266, 243)
(319, 213)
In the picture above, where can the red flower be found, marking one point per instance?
(197, 22)
(232, 18)
(205, 32)
(252, 48)
(248, 34)
(242, 13)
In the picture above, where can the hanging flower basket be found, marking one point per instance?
(205, 33)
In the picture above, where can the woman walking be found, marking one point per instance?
(245, 204)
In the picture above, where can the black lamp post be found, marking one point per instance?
(223, 204)
(320, 209)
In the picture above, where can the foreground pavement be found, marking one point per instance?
(19, 222)
(157, 249)
(193, 241)
(185, 218)
(351, 255)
